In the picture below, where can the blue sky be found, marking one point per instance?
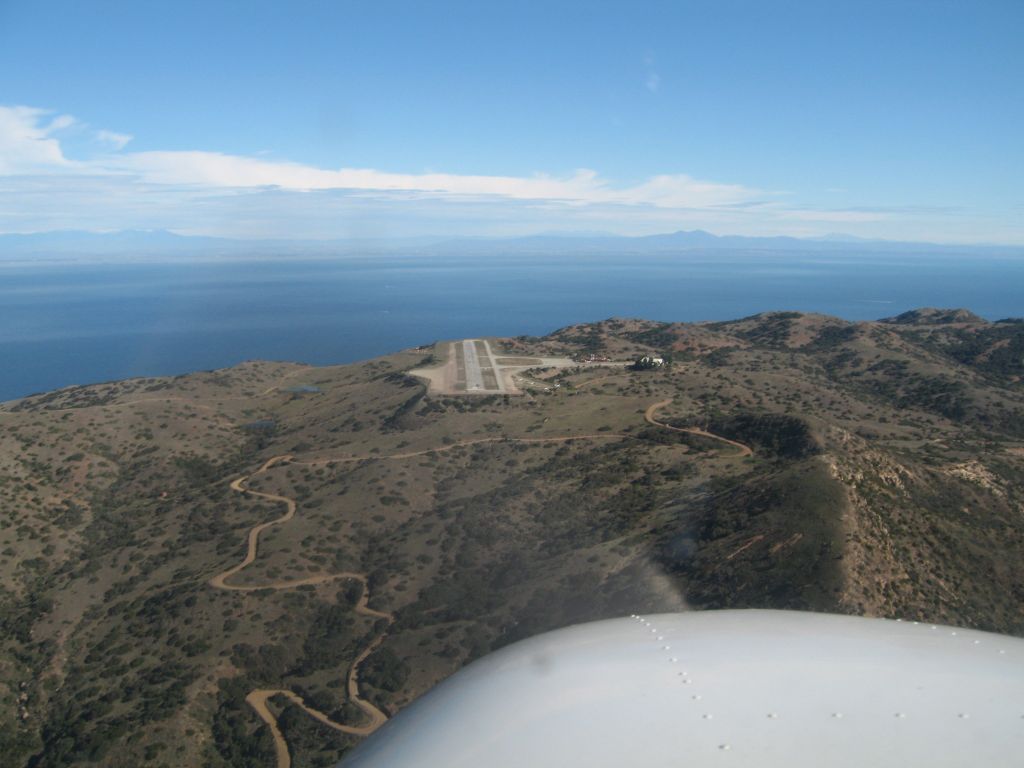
(337, 119)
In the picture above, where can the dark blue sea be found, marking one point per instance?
(78, 323)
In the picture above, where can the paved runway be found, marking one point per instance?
(474, 377)
(472, 368)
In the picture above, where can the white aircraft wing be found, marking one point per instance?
(723, 689)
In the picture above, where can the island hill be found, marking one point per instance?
(259, 565)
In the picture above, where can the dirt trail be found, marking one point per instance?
(258, 698)
(591, 382)
(283, 379)
(744, 450)
(747, 545)
(219, 580)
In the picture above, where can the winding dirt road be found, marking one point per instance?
(743, 450)
(219, 581)
(258, 698)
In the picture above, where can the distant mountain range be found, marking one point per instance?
(131, 243)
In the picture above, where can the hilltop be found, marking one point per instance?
(194, 569)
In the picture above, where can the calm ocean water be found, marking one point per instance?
(84, 323)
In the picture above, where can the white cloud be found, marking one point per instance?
(27, 146)
(584, 186)
(681, 191)
(26, 143)
(113, 139)
(41, 187)
(59, 123)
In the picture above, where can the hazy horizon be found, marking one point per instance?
(841, 239)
